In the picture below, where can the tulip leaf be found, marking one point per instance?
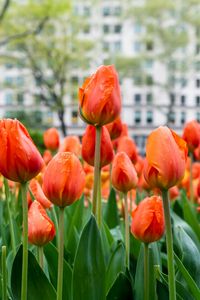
(121, 289)
(107, 241)
(51, 255)
(38, 287)
(89, 271)
(195, 291)
(116, 265)
(111, 215)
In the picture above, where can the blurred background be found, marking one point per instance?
(48, 48)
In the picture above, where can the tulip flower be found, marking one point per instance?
(41, 229)
(20, 160)
(99, 97)
(38, 193)
(47, 156)
(191, 134)
(51, 139)
(88, 146)
(126, 144)
(115, 128)
(71, 144)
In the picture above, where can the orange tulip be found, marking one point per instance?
(166, 155)
(124, 176)
(41, 229)
(115, 128)
(148, 223)
(38, 193)
(19, 158)
(47, 156)
(71, 144)
(191, 134)
(173, 193)
(64, 179)
(51, 138)
(99, 97)
(126, 144)
(88, 146)
(195, 170)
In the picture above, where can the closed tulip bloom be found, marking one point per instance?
(124, 176)
(71, 143)
(88, 146)
(115, 128)
(64, 179)
(191, 134)
(148, 223)
(20, 160)
(41, 229)
(99, 97)
(51, 139)
(166, 155)
(126, 144)
(38, 194)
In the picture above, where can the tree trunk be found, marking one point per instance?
(63, 126)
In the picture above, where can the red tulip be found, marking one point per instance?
(124, 176)
(115, 128)
(166, 155)
(148, 223)
(71, 144)
(38, 193)
(126, 144)
(99, 97)
(51, 139)
(41, 229)
(19, 158)
(88, 146)
(47, 156)
(64, 179)
(191, 134)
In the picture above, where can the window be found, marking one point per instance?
(137, 117)
(8, 80)
(183, 117)
(149, 46)
(183, 82)
(149, 98)
(137, 80)
(20, 98)
(149, 80)
(149, 117)
(20, 81)
(183, 100)
(197, 48)
(149, 64)
(172, 98)
(198, 100)
(171, 117)
(106, 28)
(86, 11)
(9, 98)
(86, 28)
(117, 11)
(106, 11)
(198, 116)
(137, 46)
(198, 83)
(197, 65)
(117, 46)
(117, 28)
(137, 28)
(74, 117)
(105, 46)
(137, 98)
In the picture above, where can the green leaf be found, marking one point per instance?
(107, 241)
(51, 255)
(89, 266)
(116, 265)
(38, 285)
(111, 215)
(121, 289)
(195, 291)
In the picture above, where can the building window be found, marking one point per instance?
(117, 28)
(74, 117)
(105, 46)
(106, 11)
(183, 117)
(183, 82)
(171, 117)
(198, 83)
(137, 28)
(9, 98)
(197, 48)
(106, 28)
(149, 117)
(149, 80)
(8, 80)
(117, 11)
(149, 98)
(198, 116)
(137, 46)
(86, 11)
(137, 117)
(183, 98)
(172, 98)
(198, 100)
(149, 45)
(117, 46)
(137, 98)
(20, 98)
(197, 66)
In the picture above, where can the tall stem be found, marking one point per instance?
(55, 219)
(41, 256)
(25, 242)
(146, 271)
(12, 235)
(4, 274)
(96, 170)
(60, 254)
(99, 210)
(170, 254)
(127, 241)
(191, 179)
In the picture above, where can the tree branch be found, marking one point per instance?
(4, 9)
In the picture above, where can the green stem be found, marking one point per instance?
(25, 242)
(146, 271)
(170, 254)
(41, 256)
(96, 170)
(99, 209)
(4, 274)
(12, 235)
(110, 176)
(60, 254)
(127, 242)
(191, 179)
(55, 219)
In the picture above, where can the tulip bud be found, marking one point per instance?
(191, 134)
(88, 146)
(51, 139)
(64, 179)
(124, 176)
(115, 128)
(99, 97)
(41, 229)
(71, 144)
(166, 155)
(126, 144)
(20, 160)
(148, 220)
